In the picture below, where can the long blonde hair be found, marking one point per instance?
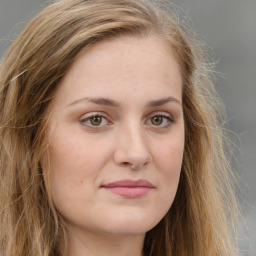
(199, 222)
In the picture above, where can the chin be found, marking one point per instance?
(131, 225)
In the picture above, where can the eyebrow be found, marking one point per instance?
(160, 102)
(98, 101)
(112, 103)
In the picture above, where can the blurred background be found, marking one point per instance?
(229, 28)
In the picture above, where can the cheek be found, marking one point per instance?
(75, 161)
(75, 154)
(74, 168)
(169, 156)
(168, 160)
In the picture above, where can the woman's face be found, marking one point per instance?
(116, 134)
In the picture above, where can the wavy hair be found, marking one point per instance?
(199, 222)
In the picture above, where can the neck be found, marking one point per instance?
(91, 244)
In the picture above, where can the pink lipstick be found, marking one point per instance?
(129, 188)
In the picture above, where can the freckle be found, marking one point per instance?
(81, 181)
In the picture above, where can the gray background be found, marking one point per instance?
(229, 28)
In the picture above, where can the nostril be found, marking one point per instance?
(125, 164)
(133, 166)
(133, 158)
(138, 166)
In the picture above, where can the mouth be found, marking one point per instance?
(129, 188)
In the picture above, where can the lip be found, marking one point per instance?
(129, 188)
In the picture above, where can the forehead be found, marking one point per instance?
(123, 65)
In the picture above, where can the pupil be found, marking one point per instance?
(157, 120)
(96, 120)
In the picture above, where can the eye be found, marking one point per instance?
(95, 121)
(157, 120)
(160, 120)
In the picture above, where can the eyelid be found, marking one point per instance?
(86, 117)
(90, 115)
(163, 114)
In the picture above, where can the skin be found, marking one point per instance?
(131, 140)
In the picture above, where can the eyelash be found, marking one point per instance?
(165, 118)
(89, 119)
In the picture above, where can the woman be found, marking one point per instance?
(112, 137)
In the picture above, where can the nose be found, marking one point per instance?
(132, 149)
